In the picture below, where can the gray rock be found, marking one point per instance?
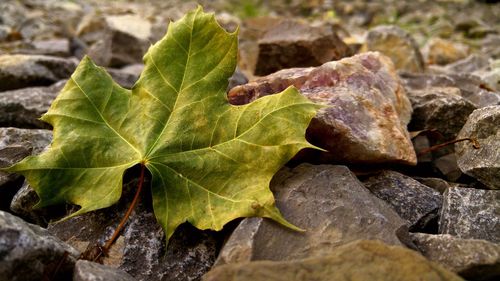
(473, 259)
(448, 167)
(483, 163)
(53, 47)
(471, 87)
(470, 213)
(238, 78)
(416, 203)
(22, 108)
(28, 252)
(367, 113)
(115, 40)
(319, 199)
(90, 271)
(472, 63)
(15, 144)
(437, 184)
(19, 71)
(359, 260)
(295, 44)
(398, 45)
(440, 108)
(140, 249)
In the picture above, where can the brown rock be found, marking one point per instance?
(441, 51)
(367, 113)
(296, 44)
(398, 45)
(359, 260)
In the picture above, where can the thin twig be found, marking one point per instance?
(474, 142)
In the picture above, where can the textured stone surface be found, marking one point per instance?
(441, 51)
(319, 199)
(90, 271)
(471, 87)
(471, 214)
(140, 249)
(359, 260)
(440, 108)
(296, 44)
(18, 71)
(21, 108)
(437, 184)
(473, 259)
(15, 144)
(473, 62)
(28, 252)
(367, 113)
(398, 45)
(416, 203)
(483, 163)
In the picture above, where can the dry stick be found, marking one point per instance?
(118, 229)
(475, 144)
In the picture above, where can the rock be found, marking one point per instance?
(359, 260)
(440, 108)
(416, 203)
(19, 71)
(29, 252)
(141, 252)
(483, 163)
(473, 259)
(441, 51)
(53, 47)
(295, 44)
(238, 78)
(398, 45)
(319, 199)
(115, 41)
(91, 271)
(437, 184)
(367, 113)
(123, 78)
(491, 75)
(22, 108)
(472, 63)
(470, 213)
(448, 167)
(471, 87)
(15, 144)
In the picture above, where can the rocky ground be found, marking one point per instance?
(398, 77)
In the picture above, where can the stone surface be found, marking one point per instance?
(295, 44)
(472, 63)
(473, 259)
(22, 108)
(437, 184)
(359, 260)
(19, 71)
(471, 213)
(471, 87)
(416, 203)
(15, 144)
(90, 271)
(53, 47)
(398, 45)
(140, 249)
(440, 108)
(28, 252)
(448, 167)
(367, 113)
(483, 163)
(319, 199)
(115, 40)
(442, 51)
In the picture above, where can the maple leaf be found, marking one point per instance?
(210, 161)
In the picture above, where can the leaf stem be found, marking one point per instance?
(120, 226)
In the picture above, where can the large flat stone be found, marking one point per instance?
(328, 202)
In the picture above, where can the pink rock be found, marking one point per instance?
(367, 113)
